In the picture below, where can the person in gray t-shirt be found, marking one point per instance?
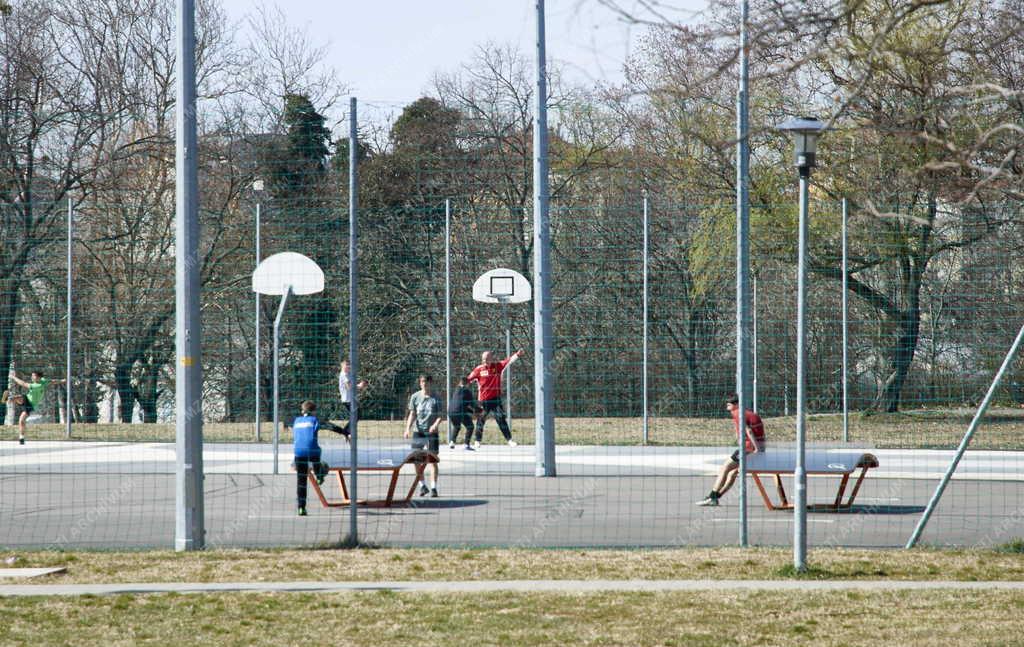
(425, 414)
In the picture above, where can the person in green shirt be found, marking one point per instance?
(35, 392)
(425, 416)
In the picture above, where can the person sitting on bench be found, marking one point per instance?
(307, 449)
(755, 442)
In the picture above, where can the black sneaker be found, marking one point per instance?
(302, 512)
(433, 492)
(423, 489)
(21, 441)
(710, 501)
(469, 448)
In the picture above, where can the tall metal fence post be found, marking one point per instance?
(544, 421)
(753, 319)
(353, 316)
(846, 332)
(743, 386)
(448, 309)
(975, 422)
(643, 378)
(189, 512)
(68, 349)
(259, 385)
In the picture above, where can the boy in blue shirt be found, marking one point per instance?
(307, 449)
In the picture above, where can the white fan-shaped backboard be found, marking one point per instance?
(275, 273)
(502, 286)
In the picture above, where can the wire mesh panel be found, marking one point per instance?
(644, 356)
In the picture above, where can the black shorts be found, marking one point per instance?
(26, 406)
(430, 442)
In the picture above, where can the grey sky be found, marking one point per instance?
(388, 51)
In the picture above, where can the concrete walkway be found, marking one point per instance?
(515, 586)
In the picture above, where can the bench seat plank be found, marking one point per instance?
(372, 460)
(819, 462)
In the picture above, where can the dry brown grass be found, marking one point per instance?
(505, 564)
(635, 619)
(1001, 429)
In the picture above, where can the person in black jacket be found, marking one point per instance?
(461, 411)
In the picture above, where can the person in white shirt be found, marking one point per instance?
(345, 389)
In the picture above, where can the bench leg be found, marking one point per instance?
(391, 486)
(416, 481)
(311, 477)
(764, 495)
(856, 486)
(782, 491)
(842, 488)
(341, 485)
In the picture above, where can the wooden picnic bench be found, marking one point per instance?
(817, 462)
(372, 460)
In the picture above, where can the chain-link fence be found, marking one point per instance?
(111, 482)
(922, 146)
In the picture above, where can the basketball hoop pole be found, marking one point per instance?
(508, 368)
(277, 372)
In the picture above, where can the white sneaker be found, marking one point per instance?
(709, 502)
(451, 444)
(476, 444)
(512, 443)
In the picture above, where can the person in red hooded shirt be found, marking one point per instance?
(754, 431)
(488, 379)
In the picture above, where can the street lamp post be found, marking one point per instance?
(805, 131)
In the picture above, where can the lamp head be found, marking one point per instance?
(806, 131)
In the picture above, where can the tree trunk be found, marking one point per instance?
(9, 304)
(692, 368)
(148, 393)
(902, 355)
(125, 392)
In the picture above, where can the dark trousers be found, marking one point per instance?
(348, 408)
(495, 408)
(302, 465)
(457, 420)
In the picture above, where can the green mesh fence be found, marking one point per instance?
(946, 311)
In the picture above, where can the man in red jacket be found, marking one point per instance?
(753, 430)
(488, 379)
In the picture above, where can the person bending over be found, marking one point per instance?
(753, 429)
(307, 449)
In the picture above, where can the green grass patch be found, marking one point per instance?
(636, 619)
(1015, 547)
(791, 572)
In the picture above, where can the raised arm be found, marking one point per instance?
(511, 359)
(17, 380)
